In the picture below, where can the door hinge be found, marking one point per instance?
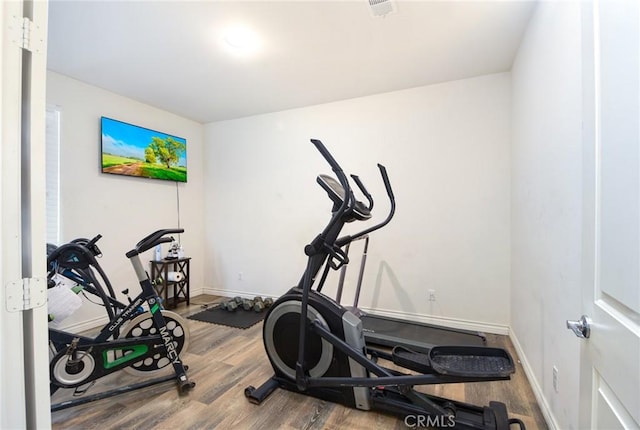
(27, 35)
(28, 293)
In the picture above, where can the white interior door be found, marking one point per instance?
(610, 357)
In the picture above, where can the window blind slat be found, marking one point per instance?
(52, 166)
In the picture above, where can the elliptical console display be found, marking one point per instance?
(317, 347)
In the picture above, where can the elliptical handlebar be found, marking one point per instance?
(332, 162)
(154, 239)
(349, 201)
(343, 181)
(358, 182)
(387, 184)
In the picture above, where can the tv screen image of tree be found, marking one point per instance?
(137, 151)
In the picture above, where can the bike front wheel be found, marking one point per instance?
(143, 325)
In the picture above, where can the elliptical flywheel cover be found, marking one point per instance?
(284, 319)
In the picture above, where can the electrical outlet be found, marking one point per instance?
(432, 295)
(555, 378)
(239, 276)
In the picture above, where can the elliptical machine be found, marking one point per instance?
(317, 347)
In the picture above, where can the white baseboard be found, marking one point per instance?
(229, 293)
(97, 322)
(535, 386)
(441, 321)
(84, 325)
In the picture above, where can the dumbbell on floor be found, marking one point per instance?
(262, 304)
(229, 305)
(247, 304)
(257, 304)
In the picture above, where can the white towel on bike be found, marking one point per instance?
(62, 302)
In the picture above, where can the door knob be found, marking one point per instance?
(581, 328)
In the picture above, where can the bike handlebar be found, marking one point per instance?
(94, 240)
(154, 239)
(90, 244)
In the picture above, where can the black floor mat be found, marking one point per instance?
(238, 319)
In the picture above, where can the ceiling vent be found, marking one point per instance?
(382, 7)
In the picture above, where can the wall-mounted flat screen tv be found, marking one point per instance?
(137, 151)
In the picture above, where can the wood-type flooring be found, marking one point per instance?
(223, 361)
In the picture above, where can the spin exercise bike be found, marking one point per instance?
(140, 341)
(317, 347)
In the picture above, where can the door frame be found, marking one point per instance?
(24, 373)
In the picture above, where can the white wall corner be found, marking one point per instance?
(545, 408)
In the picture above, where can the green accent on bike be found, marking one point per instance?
(135, 351)
(155, 308)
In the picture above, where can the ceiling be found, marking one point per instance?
(170, 54)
